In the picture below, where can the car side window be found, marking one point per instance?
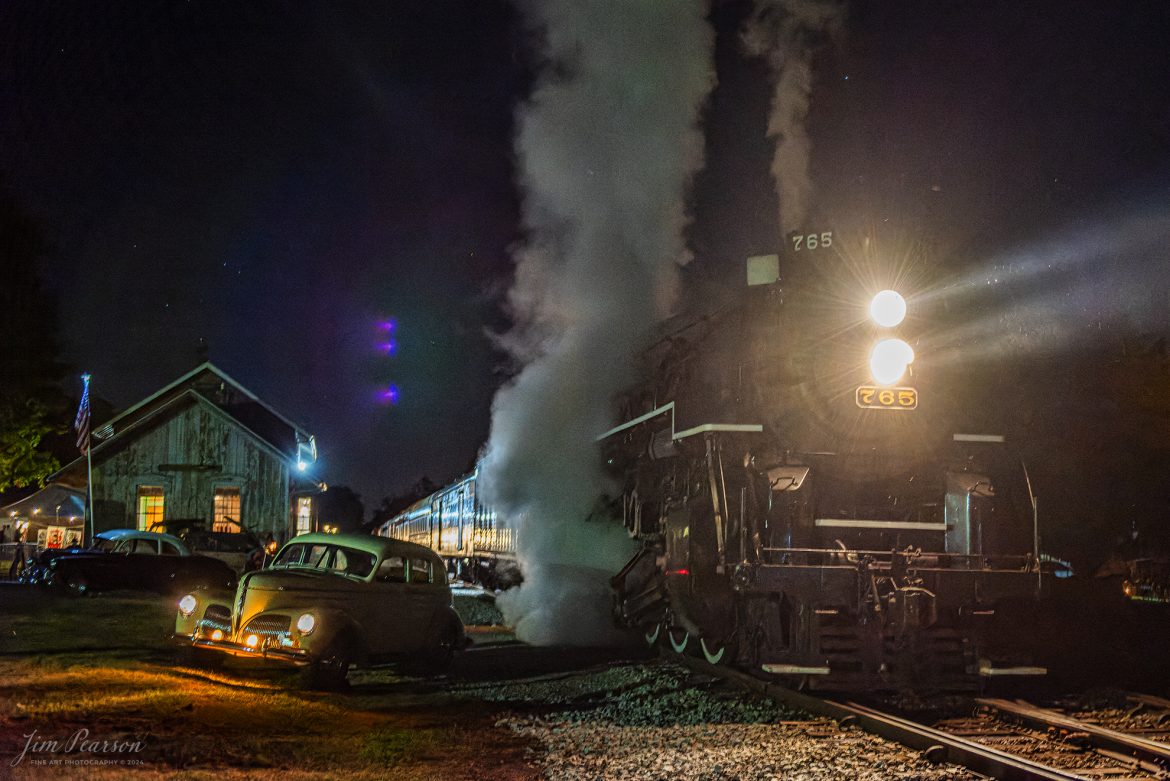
(169, 549)
(316, 556)
(420, 571)
(392, 570)
(290, 555)
(146, 547)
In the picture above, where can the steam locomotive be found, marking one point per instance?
(805, 504)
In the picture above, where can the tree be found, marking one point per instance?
(33, 409)
(396, 503)
(340, 506)
(22, 461)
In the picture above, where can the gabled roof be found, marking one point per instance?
(199, 378)
(210, 386)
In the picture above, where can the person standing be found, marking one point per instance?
(17, 555)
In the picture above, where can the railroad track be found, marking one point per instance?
(1003, 740)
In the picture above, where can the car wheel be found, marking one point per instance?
(77, 585)
(190, 656)
(328, 671)
(437, 659)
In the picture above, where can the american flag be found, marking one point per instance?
(81, 422)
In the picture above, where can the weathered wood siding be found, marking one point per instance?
(190, 454)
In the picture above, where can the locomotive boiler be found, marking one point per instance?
(807, 499)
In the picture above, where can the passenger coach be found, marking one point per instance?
(455, 523)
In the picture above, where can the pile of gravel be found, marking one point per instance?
(652, 694)
(743, 752)
(662, 721)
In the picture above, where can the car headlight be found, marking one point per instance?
(889, 360)
(187, 605)
(888, 308)
(306, 623)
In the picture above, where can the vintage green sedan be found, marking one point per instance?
(328, 601)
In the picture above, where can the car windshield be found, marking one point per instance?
(330, 558)
(104, 545)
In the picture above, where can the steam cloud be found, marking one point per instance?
(606, 147)
(787, 33)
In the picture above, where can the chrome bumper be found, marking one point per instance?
(297, 656)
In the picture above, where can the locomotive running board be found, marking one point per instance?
(793, 669)
(743, 428)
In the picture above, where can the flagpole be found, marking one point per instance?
(89, 495)
(88, 519)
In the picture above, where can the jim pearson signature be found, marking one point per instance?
(77, 744)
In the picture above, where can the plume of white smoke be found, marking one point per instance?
(606, 148)
(787, 33)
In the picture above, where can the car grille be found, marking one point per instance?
(216, 617)
(270, 625)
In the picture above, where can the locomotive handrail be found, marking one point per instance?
(1021, 560)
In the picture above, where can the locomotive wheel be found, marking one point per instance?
(679, 639)
(652, 634)
(717, 652)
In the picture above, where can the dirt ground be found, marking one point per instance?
(100, 669)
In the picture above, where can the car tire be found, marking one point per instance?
(189, 656)
(438, 658)
(327, 672)
(76, 585)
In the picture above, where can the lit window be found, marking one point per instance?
(150, 507)
(226, 510)
(304, 515)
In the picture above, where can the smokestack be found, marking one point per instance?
(606, 147)
(787, 33)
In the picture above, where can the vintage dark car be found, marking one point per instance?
(38, 568)
(239, 548)
(135, 560)
(328, 601)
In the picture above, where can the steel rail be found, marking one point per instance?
(937, 745)
(1143, 749)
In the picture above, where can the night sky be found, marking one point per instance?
(276, 183)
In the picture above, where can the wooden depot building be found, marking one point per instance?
(202, 449)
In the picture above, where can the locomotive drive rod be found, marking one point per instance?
(938, 745)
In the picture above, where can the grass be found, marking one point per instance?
(102, 664)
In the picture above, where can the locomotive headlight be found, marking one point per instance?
(888, 308)
(889, 360)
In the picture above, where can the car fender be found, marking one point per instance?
(204, 598)
(332, 624)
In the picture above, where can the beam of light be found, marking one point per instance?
(1085, 284)
(388, 326)
(388, 347)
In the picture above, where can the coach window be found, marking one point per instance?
(169, 549)
(393, 570)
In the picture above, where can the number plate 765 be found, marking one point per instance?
(870, 397)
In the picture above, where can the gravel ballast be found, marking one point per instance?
(660, 721)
